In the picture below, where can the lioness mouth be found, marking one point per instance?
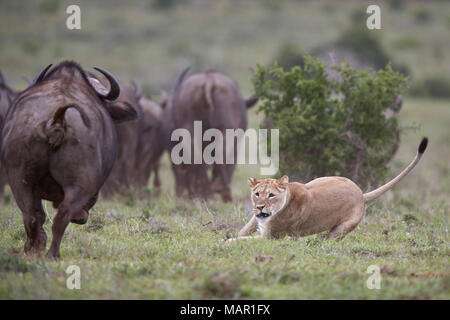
(263, 215)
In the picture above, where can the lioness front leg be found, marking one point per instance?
(249, 228)
(244, 238)
(246, 231)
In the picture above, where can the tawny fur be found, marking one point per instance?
(333, 204)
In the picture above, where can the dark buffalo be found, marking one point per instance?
(151, 144)
(7, 96)
(59, 143)
(216, 101)
(123, 175)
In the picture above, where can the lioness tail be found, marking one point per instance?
(378, 192)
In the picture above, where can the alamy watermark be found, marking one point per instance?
(374, 280)
(74, 280)
(73, 21)
(374, 20)
(223, 145)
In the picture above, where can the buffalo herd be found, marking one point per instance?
(75, 134)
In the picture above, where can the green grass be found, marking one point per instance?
(164, 247)
(168, 248)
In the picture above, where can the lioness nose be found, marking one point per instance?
(260, 207)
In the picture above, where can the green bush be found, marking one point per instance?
(331, 127)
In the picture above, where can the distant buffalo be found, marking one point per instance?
(123, 175)
(7, 96)
(214, 99)
(58, 143)
(151, 144)
(140, 143)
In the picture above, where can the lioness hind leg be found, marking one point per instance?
(338, 232)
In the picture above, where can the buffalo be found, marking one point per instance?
(7, 96)
(123, 175)
(140, 144)
(59, 143)
(214, 99)
(151, 144)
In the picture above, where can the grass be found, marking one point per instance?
(168, 248)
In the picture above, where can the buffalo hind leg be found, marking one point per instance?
(74, 201)
(3, 182)
(40, 237)
(201, 183)
(156, 179)
(81, 217)
(33, 216)
(180, 179)
(34, 221)
(222, 174)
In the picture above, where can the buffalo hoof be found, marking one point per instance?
(226, 195)
(216, 186)
(52, 255)
(81, 217)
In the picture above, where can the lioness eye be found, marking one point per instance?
(271, 195)
(257, 194)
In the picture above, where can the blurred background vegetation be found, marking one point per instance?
(164, 247)
(152, 40)
(341, 126)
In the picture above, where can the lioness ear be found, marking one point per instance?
(284, 180)
(252, 182)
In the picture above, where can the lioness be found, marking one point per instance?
(333, 204)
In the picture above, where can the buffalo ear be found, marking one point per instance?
(121, 111)
(252, 182)
(284, 180)
(250, 102)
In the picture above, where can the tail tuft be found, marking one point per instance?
(423, 145)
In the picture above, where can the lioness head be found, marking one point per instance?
(269, 196)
